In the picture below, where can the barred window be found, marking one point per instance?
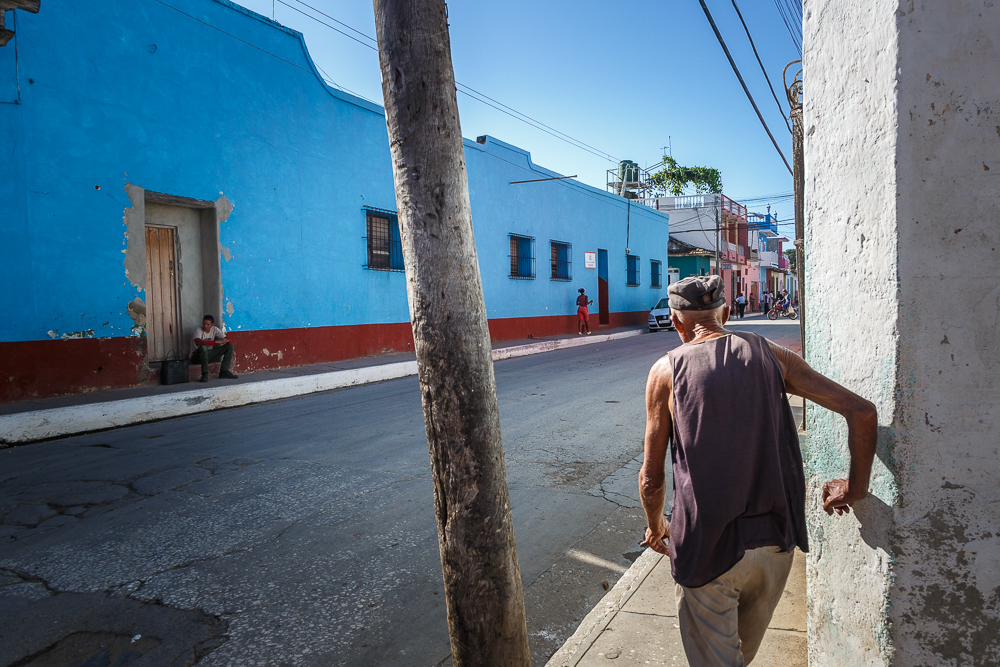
(561, 260)
(632, 269)
(385, 249)
(654, 274)
(522, 257)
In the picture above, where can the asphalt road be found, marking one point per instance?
(301, 532)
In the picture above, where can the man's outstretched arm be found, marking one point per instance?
(862, 426)
(652, 476)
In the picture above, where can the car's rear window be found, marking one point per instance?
(662, 303)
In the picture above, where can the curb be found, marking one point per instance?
(25, 427)
(600, 617)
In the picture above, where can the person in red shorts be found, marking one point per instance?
(583, 312)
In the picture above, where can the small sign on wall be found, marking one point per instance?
(590, 260)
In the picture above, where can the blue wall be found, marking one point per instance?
(152, 97)
(564, 211)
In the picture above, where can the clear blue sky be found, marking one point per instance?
(622, 80)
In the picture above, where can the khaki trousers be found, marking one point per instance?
(723, 622)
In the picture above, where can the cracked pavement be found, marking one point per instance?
(301, 531)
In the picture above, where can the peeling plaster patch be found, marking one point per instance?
(86, 333)
(137, 311)
(135, 235)
(223, 209)
(229, 308)
(277, 354)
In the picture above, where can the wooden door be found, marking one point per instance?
(603, 310)
(162, 331)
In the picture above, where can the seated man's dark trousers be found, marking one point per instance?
(207, 354)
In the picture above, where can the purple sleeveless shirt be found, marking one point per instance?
(738, 477)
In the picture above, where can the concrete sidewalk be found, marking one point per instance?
(636, 622)
(42, 419)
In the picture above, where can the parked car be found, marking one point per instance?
(659, 317)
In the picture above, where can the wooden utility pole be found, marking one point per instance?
(482, 579)
(794, 92)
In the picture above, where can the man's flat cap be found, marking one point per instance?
(697, 293)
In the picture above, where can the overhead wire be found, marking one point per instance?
(262, 50)
(753, 46)
(722, 42)
(467, 90)
(787, 16)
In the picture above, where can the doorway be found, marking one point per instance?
(604, 316)
(162, 307)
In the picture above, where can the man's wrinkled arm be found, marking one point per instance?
(652, 476)
(862, 426)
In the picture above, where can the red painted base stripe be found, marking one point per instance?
(39, 369)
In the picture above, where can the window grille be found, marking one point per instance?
(522, 257)
(632, 269)
(385, 248)
(561, 260)
(654, 274)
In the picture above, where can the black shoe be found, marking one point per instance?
(204, 377)
(226, 375)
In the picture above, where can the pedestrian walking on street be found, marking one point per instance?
(739, 487)
(583, 312)
(741, 305)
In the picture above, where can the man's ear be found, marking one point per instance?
(725, 315)
(676, 321)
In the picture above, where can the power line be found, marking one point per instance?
(296, 9)
(609, 156)
(468, 90)
(746, 90)
(537, 127)
(238, 39)
(787, 16)
(766, 77)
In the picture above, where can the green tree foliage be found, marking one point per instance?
(674, 178)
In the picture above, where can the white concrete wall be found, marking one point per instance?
(902, 122)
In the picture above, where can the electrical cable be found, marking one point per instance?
(746, 90)
(238, 39)
(469, 90)
(764, 71)
(296, 9)
(789, 22)
(537, 127)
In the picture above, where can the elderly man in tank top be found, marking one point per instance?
(739, 487)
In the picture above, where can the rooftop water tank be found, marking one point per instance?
(628, 171)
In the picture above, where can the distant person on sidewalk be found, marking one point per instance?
(753, 303)
(582, 312)
(741, 305)
(739, 488)
(209, 345)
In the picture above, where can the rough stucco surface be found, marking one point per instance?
(902, 120)
(851, 326)
(946, 596)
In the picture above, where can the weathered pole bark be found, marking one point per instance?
(794, 92)
(482, 578)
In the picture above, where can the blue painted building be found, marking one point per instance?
(182, 158)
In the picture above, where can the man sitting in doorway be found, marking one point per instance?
(209, 345)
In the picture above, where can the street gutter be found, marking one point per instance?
(36, 425)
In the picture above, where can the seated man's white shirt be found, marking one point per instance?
(201, 334)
